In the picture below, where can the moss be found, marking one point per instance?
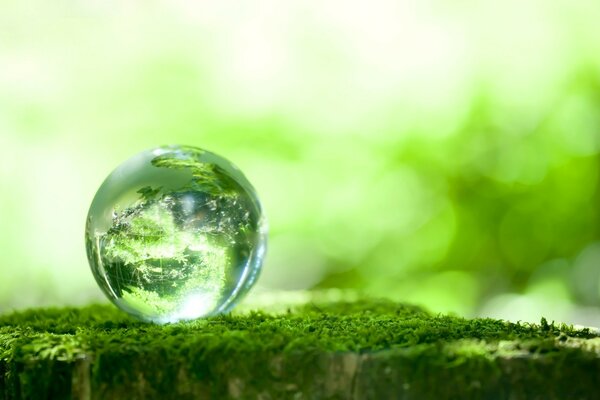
(362, 349)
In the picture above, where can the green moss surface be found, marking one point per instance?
(362, 349)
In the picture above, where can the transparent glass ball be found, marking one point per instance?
(175, 233)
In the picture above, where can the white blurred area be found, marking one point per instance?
(312, 99)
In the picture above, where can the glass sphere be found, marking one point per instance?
(175, 233)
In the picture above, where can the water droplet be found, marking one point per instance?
(187, 238)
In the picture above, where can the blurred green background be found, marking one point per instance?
(445, 153)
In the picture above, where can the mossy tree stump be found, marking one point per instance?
(358, 350)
